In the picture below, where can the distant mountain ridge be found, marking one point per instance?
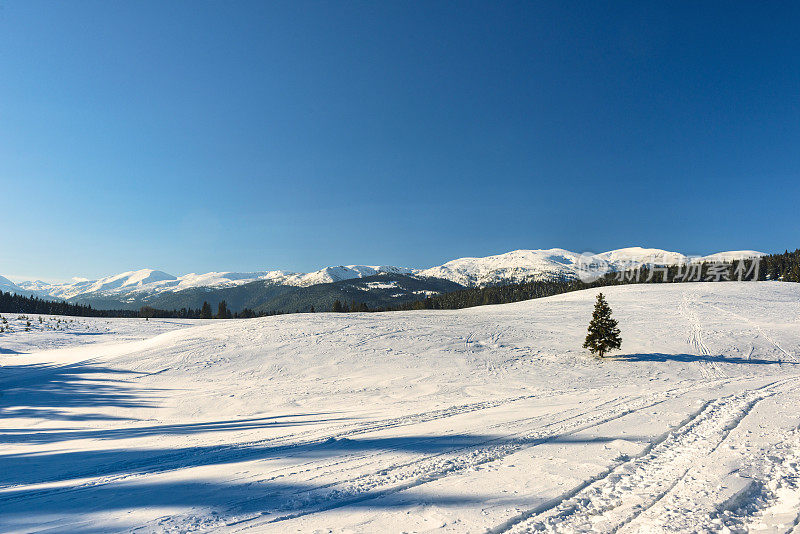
(133, 288)
(154, 281)
(560, 264)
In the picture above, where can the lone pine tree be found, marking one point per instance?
(603, 334)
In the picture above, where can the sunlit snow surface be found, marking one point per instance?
(487, 419)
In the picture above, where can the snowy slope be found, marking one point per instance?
(515, 266)
(487, 419)
(335, 274)
(732, 255)
(558, 264)
(9, 286)
(637, 255)
(150, 281)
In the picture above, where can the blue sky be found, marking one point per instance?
(198, 136)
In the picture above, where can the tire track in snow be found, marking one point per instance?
(334, 494)
(367, 486)
(242, 451)
(766, 500)
(364, 462)
(419, 471)
(505, 427)
(435, 467)
(616, 497)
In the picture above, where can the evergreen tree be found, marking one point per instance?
(222, 310)
(205, 311)
(603, 334)
(337, 306)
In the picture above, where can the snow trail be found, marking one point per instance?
(630, 489)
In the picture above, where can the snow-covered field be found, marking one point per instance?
(490, 419)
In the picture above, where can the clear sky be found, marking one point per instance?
(199, 136)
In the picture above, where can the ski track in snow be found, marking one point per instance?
(634, 487)
(280, 446)
(709, 368)
(761, 331)
(435, 467)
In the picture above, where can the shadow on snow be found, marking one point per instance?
(33, 468)
(694, 358)
(270, 498)
(44, 391)
(52, 435)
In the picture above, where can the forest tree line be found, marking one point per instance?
(782, 267)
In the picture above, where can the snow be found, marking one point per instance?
(127, 281)
(380, 285)
(557, 264)
(9, 286)
(486, 419)
(515, 266)
(638, 255)
(149, 281)
(39, 285)
(732, 255)
(342, 272)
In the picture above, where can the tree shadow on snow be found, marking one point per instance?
(264, 494)
(53, 435)
(694, 358)
(134, 478)
(33, 468)
(207, 503)
(54, 392)
(44, 391)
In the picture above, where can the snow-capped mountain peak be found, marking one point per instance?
(343, 272)
(732, 255)
(9, 286)
(134, 278)
(641, 255)
(515, 266)
(561, 264)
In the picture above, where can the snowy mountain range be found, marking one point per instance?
(515, 266)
